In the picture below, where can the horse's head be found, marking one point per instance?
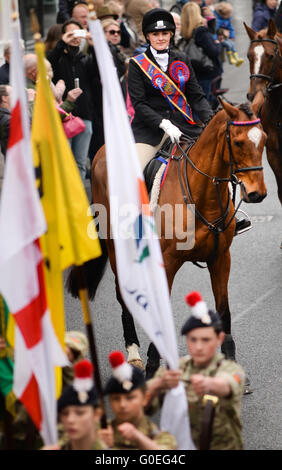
(264, 55)
(243, 145)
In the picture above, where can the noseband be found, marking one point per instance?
(270, 77)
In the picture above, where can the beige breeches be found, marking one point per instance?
(146, 152)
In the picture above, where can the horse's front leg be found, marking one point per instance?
(219, 273)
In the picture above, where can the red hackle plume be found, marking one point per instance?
(116, 358)
(83, 369)
(193, 298)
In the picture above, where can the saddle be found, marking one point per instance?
(153, 166)
(156, 170)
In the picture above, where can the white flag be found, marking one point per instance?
(141, 274)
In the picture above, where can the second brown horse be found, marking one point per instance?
(265, 57)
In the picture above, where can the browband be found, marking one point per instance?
(245, 123)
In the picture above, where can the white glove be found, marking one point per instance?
(172, 131)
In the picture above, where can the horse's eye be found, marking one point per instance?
(238, 143)
(270, 56)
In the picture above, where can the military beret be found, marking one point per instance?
(201, 316)
(125, 378)
(82, 391)
(77, 340)
(158, 19)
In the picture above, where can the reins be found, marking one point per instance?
(219, 225)
(272, 86)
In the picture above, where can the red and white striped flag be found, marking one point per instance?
(22, 223)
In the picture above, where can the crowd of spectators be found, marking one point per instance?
(74, 74)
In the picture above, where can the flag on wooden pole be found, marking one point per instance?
(63, 198)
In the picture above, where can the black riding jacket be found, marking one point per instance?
(151, 107)
(5, 118)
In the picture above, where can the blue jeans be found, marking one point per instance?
(80, 145)
(206, 86)
(229, 45)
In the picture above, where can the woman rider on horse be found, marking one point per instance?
(163, 88)
(166, 96)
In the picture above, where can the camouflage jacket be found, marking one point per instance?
(227, 427)
(163, 439)
(98, 445)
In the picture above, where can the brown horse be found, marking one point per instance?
(225, 151)
(265, 56)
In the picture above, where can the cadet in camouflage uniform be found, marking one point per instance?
(131, 429)
(205, 371)
(79, 412)
(76, 344)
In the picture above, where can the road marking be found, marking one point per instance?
(261, 218)
(255, 304)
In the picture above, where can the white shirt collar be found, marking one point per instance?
(162, 59)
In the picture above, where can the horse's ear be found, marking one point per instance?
(257, 102)
(230, 110)
(250, 32)
(272, 30)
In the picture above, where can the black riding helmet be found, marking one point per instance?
(158, 19)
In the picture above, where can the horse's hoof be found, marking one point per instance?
(247, 387)
(137, 363)
(151, 368)
(228, 347)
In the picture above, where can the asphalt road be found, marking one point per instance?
(254, 291)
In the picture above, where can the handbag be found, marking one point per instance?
(73, 125)
(200, 61)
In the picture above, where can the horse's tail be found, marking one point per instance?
(93, 273)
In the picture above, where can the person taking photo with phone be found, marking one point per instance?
(70, 63)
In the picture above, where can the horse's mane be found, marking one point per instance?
(245, 107)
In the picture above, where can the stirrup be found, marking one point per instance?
(243, 225)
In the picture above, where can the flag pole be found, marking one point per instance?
(9, 441)
(84, 300)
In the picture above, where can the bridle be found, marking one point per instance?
(272, 86)
(221, 224)
(271, 77)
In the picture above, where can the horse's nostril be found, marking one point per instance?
(256, 196)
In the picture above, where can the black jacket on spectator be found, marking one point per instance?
(119, 59)
(5, 117)
(261, 17)
(5, 74)
(205, 39)
(69, 63)
(65, 10)
(151, 107)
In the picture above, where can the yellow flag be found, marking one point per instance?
(63, 197)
